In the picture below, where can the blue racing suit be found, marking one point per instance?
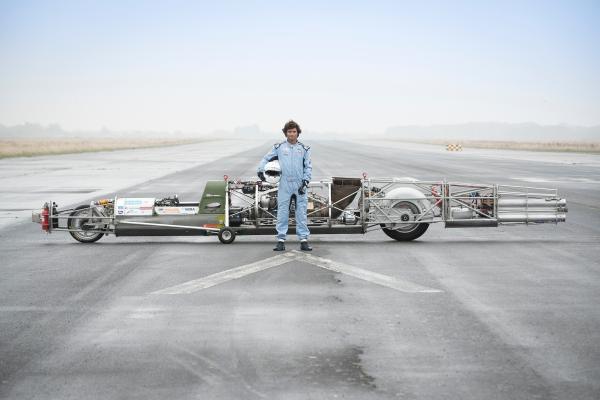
(296, 167)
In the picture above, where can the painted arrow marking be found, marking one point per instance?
(261, 265)
(373, 277)
(225, 276)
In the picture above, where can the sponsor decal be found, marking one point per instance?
(137, 211)
(176, 210)
(135, 206)
(167, 210)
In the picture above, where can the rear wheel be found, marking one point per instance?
(406, 231)
(79, 227)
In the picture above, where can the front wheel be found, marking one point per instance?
(78, 227)
(226, 235)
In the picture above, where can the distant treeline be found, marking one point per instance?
(526, 132)
(33, 131)
(55, 131)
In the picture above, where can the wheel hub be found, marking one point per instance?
(405, 211)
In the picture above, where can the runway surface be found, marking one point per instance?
(25, 181)
(486, 313)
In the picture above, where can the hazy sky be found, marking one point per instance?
(343, 66)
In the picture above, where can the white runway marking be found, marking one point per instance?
(226, 276)
(295, 255)
(373, 277)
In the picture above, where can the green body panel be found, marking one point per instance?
(211, 214)
(214, 192)
(198, 220)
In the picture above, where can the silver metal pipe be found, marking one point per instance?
(199, 228)
(531, 217)
(532, 203)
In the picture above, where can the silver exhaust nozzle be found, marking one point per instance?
(531, 217)
(532, 203)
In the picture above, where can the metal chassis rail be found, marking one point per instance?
(374, 205)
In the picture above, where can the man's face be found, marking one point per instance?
(292, 135)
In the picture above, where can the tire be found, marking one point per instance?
(226, 235)
(404, 232)
(73, 223)
(406, 236)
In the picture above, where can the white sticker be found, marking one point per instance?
(176, 210)
(135, 206)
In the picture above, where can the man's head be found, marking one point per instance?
(291, 130)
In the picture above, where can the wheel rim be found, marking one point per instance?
(226, 235)
(407, 211)
(79, 224)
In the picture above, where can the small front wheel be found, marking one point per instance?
(226, 235)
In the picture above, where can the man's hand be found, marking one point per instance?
(261, 176)
(302, 188)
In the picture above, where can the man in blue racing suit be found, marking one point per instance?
(296, 169)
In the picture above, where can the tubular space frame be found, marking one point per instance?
(448, 195)
(254, 203)
(374, 208)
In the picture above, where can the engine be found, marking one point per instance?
(250, 200)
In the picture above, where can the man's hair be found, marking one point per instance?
(291, 124)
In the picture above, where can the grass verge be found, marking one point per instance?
(39, 147)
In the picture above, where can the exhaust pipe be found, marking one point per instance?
(528, 203)
(531, 217)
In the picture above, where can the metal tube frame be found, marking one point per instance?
(373, 209)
